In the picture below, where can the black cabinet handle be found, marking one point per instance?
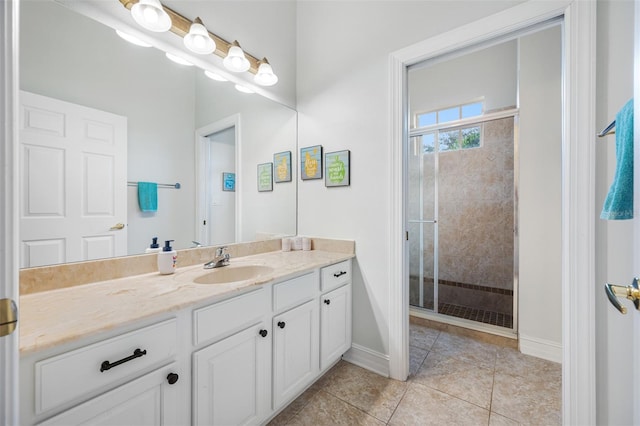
(172, 378)
(339, 274)
(106, 365)
(263, 333)
(327, 301)
(281, 324)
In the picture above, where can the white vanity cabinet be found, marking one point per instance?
(232, 377)
(335, 313)
(133, 377)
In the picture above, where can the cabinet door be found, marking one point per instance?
(335, 325)
(295, 340)
(149, 400)
(231, 379)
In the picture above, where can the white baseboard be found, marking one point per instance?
(541, 348)
(366, 358)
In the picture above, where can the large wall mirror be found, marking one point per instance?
(100, 115)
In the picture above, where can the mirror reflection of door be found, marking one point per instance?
(73, 203)
(220, 193)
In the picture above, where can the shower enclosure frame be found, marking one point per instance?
(421, 311)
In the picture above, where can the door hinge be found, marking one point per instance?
(8, 317)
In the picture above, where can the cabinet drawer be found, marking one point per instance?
(336, 275)
(221, 319)
(74, 374)
(293, 292)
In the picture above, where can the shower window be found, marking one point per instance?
(451, 139)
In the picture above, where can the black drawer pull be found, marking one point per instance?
(327, 301)
(339, 274)
(107, 365)
(281, 324)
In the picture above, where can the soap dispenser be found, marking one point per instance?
(167, 259)
(154, 247)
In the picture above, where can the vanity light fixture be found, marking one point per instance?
(243, 89)
(233, 57)
(235, 60)
(214, 76)
(265, 75)
(178, 60)
(198, 40)
(151, 15)
(131, 39)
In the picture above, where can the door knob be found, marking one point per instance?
(631, 292)
(117, 227)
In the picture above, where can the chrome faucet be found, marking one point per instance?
(221, 259)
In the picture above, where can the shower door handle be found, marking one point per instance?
(631, 292)
(423, 221)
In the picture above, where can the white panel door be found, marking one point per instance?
(73, 182)
(231, 379)
(335, 325)
(295, 351)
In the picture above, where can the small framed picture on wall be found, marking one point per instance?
(282, 164)
(311, 162)
(228, 181)
(265, 177)
(337, 167)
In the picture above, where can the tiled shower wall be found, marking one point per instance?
(476, 222)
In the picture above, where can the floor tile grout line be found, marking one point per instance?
(356, 407)
(406, 389)
(452, 396)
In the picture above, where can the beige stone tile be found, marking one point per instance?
(527, 400)
(498, 420)
(422, 405)
(374, 394)
(422, 337)
(466, 349)
(416, 358)
(295, 407)
(461, 379)
(326, 409)
(511, 361)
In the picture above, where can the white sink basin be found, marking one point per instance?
(229, 274)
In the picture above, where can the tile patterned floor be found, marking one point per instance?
(457, 378)
(475, 314)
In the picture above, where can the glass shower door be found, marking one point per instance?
(422, 221)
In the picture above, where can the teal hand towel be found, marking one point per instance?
(148, 196)
(619, 202)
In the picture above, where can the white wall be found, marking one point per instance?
(540, 195)
(222, 204)
(614, 261)
(343, 103)
(490, 74)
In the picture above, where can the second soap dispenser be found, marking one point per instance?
(167, 259)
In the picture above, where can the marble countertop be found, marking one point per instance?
(51, 318)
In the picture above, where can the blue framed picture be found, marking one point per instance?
(337, 168)
(311, 162)
(265, 177)
(228, 181)
(282, 166)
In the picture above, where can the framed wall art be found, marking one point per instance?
(228, 181)
(265, 177)
(282, 164)
(337, 167)
(311, 162)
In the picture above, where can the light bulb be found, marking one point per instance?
(214, 76)
(178, 60)
(198, 40)
(235, 60)
(243, 89)
(265, 75)
(132, 39)
(150, 15)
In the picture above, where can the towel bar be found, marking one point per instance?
(160, 185)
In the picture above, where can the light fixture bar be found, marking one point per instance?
(181, 25)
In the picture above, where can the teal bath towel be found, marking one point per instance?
(619, 202)
(148, 196)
